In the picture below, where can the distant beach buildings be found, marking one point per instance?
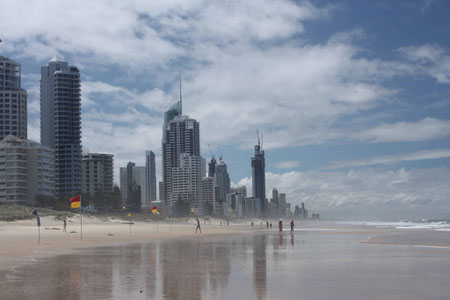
(56, 168)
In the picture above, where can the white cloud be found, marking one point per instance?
(430, 59)
(423, 130)
(366, 193)
(288, 164)
(391, 159)
(245, 65)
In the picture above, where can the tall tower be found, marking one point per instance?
(222, 182)
(150, 177)
(212, 167)
(182, 136)
(61, 122)
(259, 177)
(13, 100)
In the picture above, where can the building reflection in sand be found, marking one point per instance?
(182, 269)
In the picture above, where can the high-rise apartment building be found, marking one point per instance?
(13, 100)
(27, 169)
(208, 193)
(139, 176)
(181, 136)
(187, 182)
(61, 122)
(282, 204)
(259, 178)
(222, 182)
(150, 177)
(168, 162)
(97, 173)
(275, 197)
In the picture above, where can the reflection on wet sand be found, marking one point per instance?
(257, 266)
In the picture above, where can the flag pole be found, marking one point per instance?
(81, 219)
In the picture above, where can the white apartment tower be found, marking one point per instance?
(182, 136)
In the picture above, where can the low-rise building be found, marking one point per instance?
(97, 173)
(27, 169)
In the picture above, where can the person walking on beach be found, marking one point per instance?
(267, 225)
(65, 226)
(198, 226)
(280, 226)
(292, 226)
(251, 224)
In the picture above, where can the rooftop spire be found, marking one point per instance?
(181, 98)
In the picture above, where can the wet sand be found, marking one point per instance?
(417, 238)
(19, 239)
(318, 262)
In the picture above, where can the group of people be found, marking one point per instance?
(280, 226)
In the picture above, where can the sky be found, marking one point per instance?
(352, 98)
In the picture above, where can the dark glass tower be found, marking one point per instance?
(212, 167)
(61, 122)
(150, 176)
(259, 177)
(13, 100)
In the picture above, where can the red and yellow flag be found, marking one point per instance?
(154, 210)
(75, 202)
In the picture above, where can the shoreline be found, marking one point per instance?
(417, 238)
(19, 239)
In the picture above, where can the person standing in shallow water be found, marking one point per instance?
(65, 226)
(292, 226)
(198, 226)
(280, 226)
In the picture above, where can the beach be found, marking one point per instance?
(322, 260)
(19, 239)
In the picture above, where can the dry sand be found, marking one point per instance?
(19, 239)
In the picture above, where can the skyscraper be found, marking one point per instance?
(222, 181)
(275, 197)
(169, 115)
(212, 167)
(150, 177)
(259, 177)
(282, 204)
(13, 100)
(187, 182)
(61, 122)
(182, 136)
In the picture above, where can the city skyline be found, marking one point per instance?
(353, 109)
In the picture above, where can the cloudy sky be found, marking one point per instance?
(353, 97)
